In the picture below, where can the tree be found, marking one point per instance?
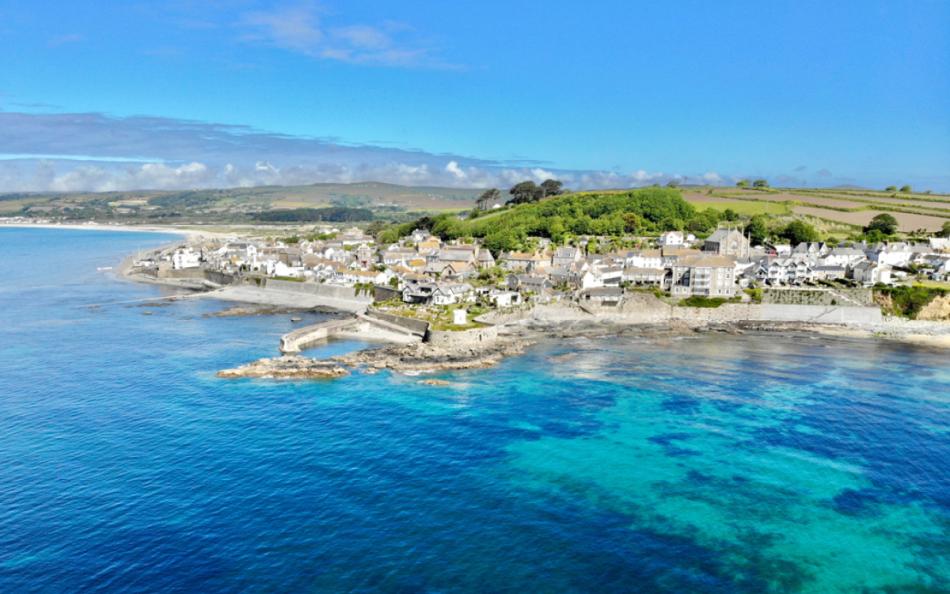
(742, 183)
(760, 183)
(945, 230)
(799, 232)
(488, 199)
(672, 184)
(905, 189)
(890, 189)
(730, 215)
(551, 187)
(884, 222)
(757, 229)
(526, 191)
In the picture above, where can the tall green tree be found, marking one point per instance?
(488, 199)
(526, 191)
(798, 232)
(552, 187)
(884, 222)
(757, 229)
(760, 183)
(905, 189)
(742, 183)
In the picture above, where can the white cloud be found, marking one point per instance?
(454, 169)
(301, 29)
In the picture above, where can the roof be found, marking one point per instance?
(706, 262)
(721, 234)
(603, 292)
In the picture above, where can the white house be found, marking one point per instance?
(502, 298)
(671, 239)
(185, 258)
(451, 294)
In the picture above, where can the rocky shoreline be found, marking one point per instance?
(287, 367)
(423, 358)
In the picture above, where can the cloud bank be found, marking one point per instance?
(96, 152)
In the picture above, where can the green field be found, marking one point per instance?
(743, 207)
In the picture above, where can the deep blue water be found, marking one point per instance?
(707, 464)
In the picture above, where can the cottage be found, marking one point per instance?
(451, 294)
(419, 292)
(870, 273)
(644, 259)
(566, 256)
(503, 298)
(602, 296)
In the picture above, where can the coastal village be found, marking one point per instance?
(422, 270)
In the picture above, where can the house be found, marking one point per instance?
(517, 261)
(728, 242)
(503, 298)
(672, 239)
(787, 271)
(185, 258)
(602, 296)
(418, 291)
(394, 256)
(484, 259)
(451, 293)
(459, 254)
(566, 256)
(870, 273)
(610, 275)
(843, 256)
(528, 283)
(419, 235)
(644, 259)
(829, 272)
(644, 276)
(708, 276)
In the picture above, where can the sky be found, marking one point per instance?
(187, 94)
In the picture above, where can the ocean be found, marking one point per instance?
(709, 463)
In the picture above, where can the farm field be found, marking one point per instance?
(743, 207)
(850, 207)
(906, 221)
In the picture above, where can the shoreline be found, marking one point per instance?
(171, 230)
(515, 338)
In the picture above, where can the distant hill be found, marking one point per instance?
(235, 203)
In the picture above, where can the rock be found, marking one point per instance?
(291, 367)
(435, 382)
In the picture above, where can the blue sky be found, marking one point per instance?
(182, 94)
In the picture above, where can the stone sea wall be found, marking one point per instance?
(463, 338)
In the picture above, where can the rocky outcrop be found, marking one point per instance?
(291, 367)
(426, 357)
(937, 310)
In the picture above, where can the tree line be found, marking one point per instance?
(521, 193)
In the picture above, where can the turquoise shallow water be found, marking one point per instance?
(708, 464)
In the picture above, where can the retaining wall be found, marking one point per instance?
(318, 289)
(462, 338)
(418, 327)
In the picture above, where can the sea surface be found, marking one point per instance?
(755, 463)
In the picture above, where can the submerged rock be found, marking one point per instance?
(435, 382)
(290, 367)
